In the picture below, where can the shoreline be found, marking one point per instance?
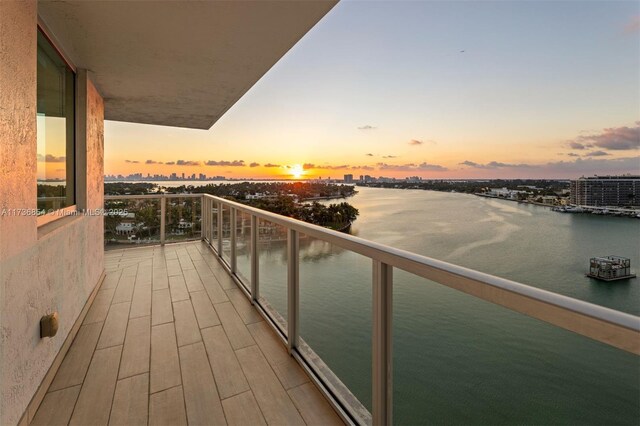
(535, 203)
(602, 211)
(330, 197)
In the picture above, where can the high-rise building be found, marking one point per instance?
(606, 191)
(348, 178)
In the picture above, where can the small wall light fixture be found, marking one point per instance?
(49, 325)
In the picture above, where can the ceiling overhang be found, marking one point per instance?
(177, 63)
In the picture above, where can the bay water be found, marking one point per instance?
(458, 359)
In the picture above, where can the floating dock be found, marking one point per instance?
(610, 268)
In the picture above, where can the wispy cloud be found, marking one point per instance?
(224, 163)
(272, 165)
(389, 156)
(170, 163)
(578, 145)
(153, 162)
(187, 163)
(369, 154)
(613, 138)
(579, 166)
(418, 142)
(585, 166)
(633, 26)
(573, 154)
(51, 158)
(493, 165)
(254, 165)
(132, 161)
(309, 166)
(596, 154)
(411, 167)
(367, 127)
(368, 168)
(432, 167)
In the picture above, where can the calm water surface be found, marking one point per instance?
(459, 360)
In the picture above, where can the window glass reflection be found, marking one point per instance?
(55, 129)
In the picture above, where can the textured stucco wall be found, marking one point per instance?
(94, 244)
(40, 272)
(17, 123)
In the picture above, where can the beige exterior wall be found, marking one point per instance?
(57, 266)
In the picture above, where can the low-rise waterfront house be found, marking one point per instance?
(550, 200)
(126, 227)
(511, 194)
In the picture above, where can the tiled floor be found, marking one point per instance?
(171, 340)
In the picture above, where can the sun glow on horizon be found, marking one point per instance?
(297, 171)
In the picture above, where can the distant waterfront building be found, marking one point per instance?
(549, 200)
(348, 178)
(510, 194)
(606, 191)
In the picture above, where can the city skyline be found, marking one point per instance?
(438, 90)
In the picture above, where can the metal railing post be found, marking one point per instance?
(233, 228)
(382, 362)
(219, 229)
(210, 208)
(202, 217)
(293, 289)
(163, 213)
(255, 262)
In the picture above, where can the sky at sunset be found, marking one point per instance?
(437, 89)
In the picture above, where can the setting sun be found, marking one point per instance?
(297, 171)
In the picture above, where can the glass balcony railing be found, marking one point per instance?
(154, 219)
(391, 336)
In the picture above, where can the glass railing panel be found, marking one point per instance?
(460, 360)
(213, 227)
(132, 222)
(335, 314)
(183, 219)
(243, 248)
(226, 233)
(272, 264)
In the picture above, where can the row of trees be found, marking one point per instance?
(335, 216)
(280, 198)
(301, 190)
(239, 191)
(543, 186)
(146, 217)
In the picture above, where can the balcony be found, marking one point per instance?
(220, 324)
(171, 339)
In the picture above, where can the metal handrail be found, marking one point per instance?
(617, 329)
(602, 324)
(463, 279)
(150, 197)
